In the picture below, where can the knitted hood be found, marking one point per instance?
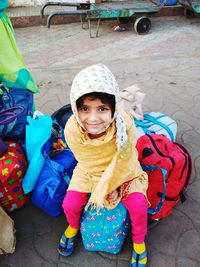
(98, 78)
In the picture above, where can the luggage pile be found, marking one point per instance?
(15, 105)
(36, 165)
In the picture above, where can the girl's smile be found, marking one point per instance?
(95, 116)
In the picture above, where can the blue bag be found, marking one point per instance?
(54, 179)
(105, 230)
(15, 105)
(158, 123)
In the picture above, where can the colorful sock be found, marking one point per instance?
(70, 232)
(139, 249)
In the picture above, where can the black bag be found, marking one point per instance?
(62, 115)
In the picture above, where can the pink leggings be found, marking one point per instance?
(135, 203)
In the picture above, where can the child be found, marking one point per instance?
(102, 139)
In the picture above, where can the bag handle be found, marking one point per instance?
(47, 146)
(45, 152)
(10, 114)
(145, 167)
(154, 120)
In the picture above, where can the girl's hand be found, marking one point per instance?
(113, 195)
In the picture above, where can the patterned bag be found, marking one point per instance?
(107, 230)
(12, 169)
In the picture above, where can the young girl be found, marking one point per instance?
(102, 139)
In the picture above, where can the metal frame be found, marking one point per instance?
(105, 10)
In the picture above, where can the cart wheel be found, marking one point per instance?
(189, 13)
(124, 20)
(142, 25)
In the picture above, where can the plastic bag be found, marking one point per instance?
(38, 131)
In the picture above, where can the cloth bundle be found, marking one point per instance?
(7, 233)
(131, 101)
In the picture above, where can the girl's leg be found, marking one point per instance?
(136, 205)
(72, 205)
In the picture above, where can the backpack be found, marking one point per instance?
(13, 166)
(159, 151)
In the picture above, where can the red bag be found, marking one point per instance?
(158, 150)
(13, 166)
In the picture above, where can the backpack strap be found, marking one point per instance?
(145, 167)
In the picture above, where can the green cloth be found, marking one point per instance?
(3, 6)
(13, 71)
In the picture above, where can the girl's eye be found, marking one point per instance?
(103, 109)
(84, 109)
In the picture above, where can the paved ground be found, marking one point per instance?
(166, 65)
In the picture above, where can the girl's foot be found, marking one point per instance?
(67, 241)
(139, 255)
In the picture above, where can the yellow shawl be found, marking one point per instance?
(101, 167)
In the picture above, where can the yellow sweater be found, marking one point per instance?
(101, 167)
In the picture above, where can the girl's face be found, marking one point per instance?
(95, 116)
